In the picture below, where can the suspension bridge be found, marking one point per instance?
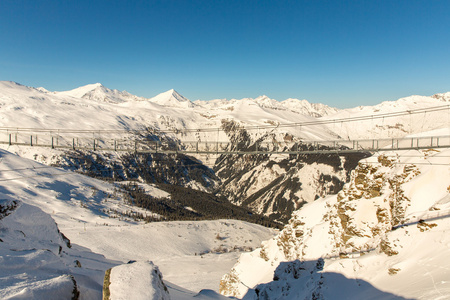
(140, 145)
(170, 141)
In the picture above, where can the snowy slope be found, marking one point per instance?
(34, 108)
(383, 236)
(100, 93)
(38, 262)
(397, 126)
(38, 108)
(172, 99)
(306, 108)
(302, 107)
(91, 214)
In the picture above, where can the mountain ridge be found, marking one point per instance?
(171, 98)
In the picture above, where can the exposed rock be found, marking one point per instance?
(356, 221)
(424, 226)
(141, 279)
(393, 271)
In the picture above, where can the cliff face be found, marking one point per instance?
(369, 226)
(277, 184)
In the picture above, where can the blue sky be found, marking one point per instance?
(341, 53)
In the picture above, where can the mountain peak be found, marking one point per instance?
(99, 92)
(172, 98)
(81, 91)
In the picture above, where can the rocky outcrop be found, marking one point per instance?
(355, 221)
(142, 280)
(34, 255)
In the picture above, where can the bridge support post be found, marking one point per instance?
(53, 147)
(115, 146)
(10, 139)
(196, 147)
(73, 144)
(31, 141)
(94, 144)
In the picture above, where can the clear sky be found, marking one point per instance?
(341, 53)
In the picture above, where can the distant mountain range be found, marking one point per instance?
(172, 98)
(169, 110)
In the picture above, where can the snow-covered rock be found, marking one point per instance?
(384, 230)
(37, 261)
(140, 280)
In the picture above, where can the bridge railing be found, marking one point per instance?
(168, 146)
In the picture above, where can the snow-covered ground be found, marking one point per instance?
(189, 254)
(422, 117)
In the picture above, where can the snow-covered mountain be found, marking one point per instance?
(172, 99)
(384, 231)
(267, 185)
(32, 108)
(383, 121)
(306, 108)
(100, 93)
(302, 107)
